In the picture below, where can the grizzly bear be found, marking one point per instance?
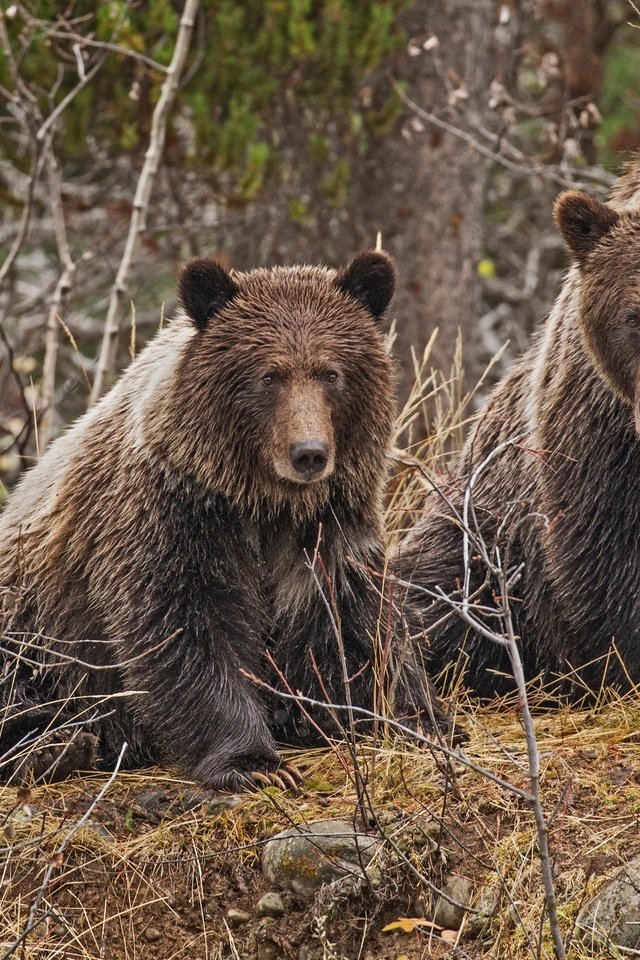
(215, 518)
(550, 475)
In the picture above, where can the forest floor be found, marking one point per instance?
(158, 864)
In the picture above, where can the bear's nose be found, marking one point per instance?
(309, 457)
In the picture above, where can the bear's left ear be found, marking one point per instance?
(370, 279)
(583, 222)
(204, 288)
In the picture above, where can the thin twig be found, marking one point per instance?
(137, 226)
(58, 856)
(61, 294)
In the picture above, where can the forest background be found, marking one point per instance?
(297, 131)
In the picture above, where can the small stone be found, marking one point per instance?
(446, 914)
(270, 905)
(225, 801)
(302, 859)
(25, 813)
(613, 916)
(310, 951)
(237, 917)
(152, 934)
(487, 905)
(268, 950)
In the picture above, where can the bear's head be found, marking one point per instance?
(605, 245)
(284, 390)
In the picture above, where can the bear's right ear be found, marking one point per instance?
(204, 288)
(583, 222)
(371, 280)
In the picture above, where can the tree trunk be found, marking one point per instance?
(421, 187)
(428, 186)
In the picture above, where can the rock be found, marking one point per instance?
(487, 905)
(220, 802)
(237, 917)
(267, 950)
(446, 914)
(270, 905)
(310, 951)
(25, 813)
(302, 859)
(613, 916)
(152, 934)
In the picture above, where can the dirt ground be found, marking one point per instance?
(158, 863)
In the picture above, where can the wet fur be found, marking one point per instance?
(156, 539)
(570, 398)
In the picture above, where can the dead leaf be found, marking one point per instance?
(449, 936)
(410, 924)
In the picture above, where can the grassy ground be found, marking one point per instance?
(157, 865)
(152, 868)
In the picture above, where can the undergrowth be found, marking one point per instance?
(158, 862)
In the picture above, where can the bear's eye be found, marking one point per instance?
(269, 379)
(330, 376)
(632, 319)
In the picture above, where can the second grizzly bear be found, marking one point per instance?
(559, 496)
(217, 514)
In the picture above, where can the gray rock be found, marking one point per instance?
(310, 951)
(25, 813)
(268, 950)
(270, 905)
(446, 914)
(237, 917)
(152, 934)
(302, 859)
(487, 905)
(613, 916)
(220, 802)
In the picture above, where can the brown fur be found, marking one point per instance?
(167, 542)
(563, 499)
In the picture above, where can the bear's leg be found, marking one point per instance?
(241, 753)
(39, 744)
(202, 711)
(374, 653)
(188, 618)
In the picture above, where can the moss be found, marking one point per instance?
(252, 62)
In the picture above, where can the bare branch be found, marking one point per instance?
(60, 296)
(137, 226)
(57, 858)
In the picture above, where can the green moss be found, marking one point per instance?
(257, 61)
(620, 103)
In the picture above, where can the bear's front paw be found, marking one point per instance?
(286, 777)
(248, 773)
(56, 759)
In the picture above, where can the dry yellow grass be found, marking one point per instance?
(156, 853)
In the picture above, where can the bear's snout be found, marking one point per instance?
(309, 457)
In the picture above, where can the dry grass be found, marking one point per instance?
(138, 864)
(158, 853)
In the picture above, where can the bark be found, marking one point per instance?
(422, 188)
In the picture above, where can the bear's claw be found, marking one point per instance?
(286, 777)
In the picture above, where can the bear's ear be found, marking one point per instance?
(370, 279)
(204, 287)
(583, 222)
